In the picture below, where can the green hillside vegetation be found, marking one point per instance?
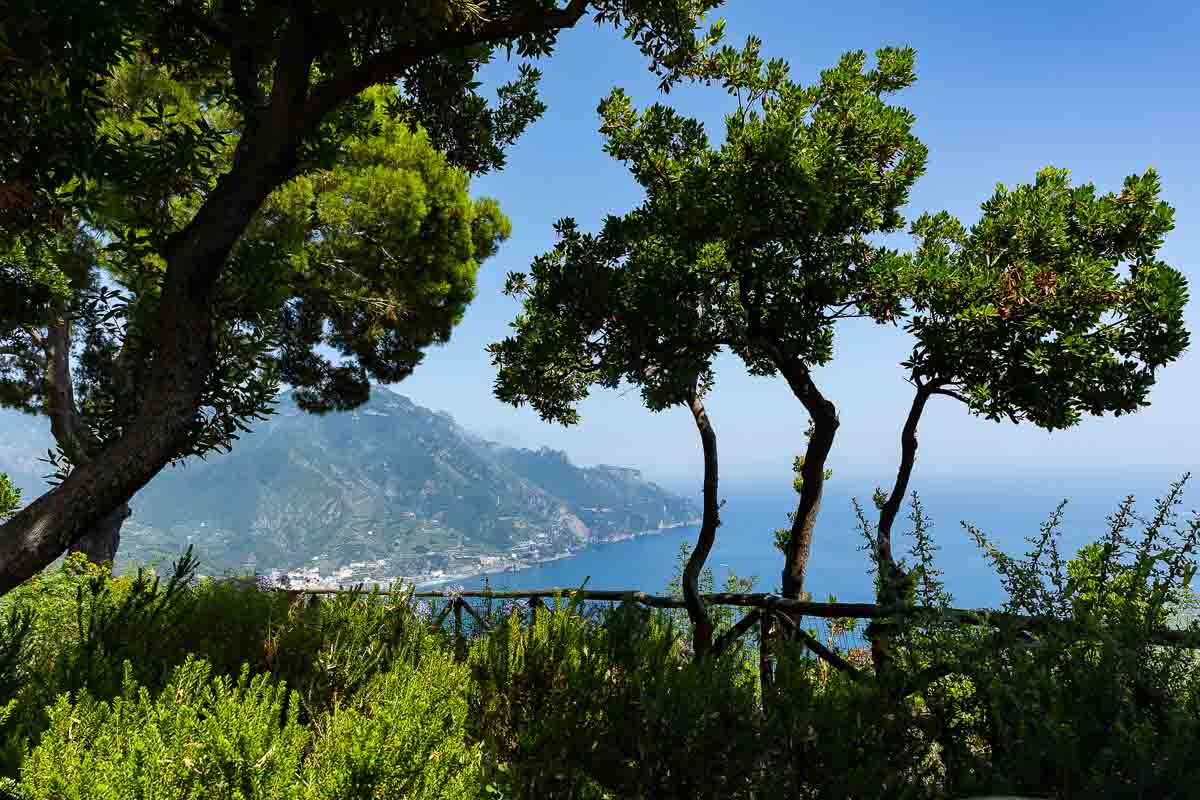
(391, 481)
(132, 687)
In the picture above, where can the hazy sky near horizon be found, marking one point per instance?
(1105, 89)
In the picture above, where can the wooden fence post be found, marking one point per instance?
(459, 644)
(766, 678)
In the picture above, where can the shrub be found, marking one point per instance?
(111, 687)
(328, 650)
(402, 735)
(203, 736)
(206, 736)
(572, 710)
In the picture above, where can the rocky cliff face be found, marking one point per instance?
(391, 484)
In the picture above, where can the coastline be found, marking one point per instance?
(619, 537)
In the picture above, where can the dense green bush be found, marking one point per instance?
(81, 626)
(402, 735)
(208, 736)
(140, 687)
(201, 736)
(573, 710)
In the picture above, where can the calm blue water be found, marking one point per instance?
(1007, 511)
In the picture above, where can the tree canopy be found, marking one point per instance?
(220, 223)
(1052, 306)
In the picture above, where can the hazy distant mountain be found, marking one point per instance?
(391, 484)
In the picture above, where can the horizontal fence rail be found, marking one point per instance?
(766, 602)
(771, 614)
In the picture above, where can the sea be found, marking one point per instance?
(1007, 510)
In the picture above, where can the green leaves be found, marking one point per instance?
(380, 255)
(202, 733)
(55, 58)
(374, 255)
(178, 120)
(10, 497)
(1053, 305)
(763, 238)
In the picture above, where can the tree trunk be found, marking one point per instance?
(767, 628)
(908, 457)
(100, 542)
(891, 579)
(266, 155)
(73, 437)
(823, 414)
(195, 257)
(702, 637)
(825, 425)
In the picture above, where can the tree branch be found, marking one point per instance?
(244, 62)
(891, 578)
(726, 640)
(823, 652)
(290, 81)
(210, 27)
(908, 457)
(195, 259)
(37, 338)
(65, 423)
(950, 393)
(389, 66)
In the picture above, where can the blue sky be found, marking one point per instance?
(1104, 89)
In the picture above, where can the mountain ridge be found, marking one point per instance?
(389, 490)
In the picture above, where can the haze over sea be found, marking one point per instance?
(1007, 510)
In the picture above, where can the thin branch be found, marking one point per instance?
(217, 31)
(441, 617)
(244, 61)
(827, 655)
(1104, 328)
(740, 629)
(908, 457)
(388, 66)
(65, 423)
(36, 336)
(839, 315)
(845, 306)
(951, 393)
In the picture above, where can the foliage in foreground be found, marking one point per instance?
(124, 687)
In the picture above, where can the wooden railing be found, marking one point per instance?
(771, 613)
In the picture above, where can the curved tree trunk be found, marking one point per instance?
(101, 541)
(195, 257)
(702, 637)
(823, 414)
(891, 578)
(891, 506)
(825, 423)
